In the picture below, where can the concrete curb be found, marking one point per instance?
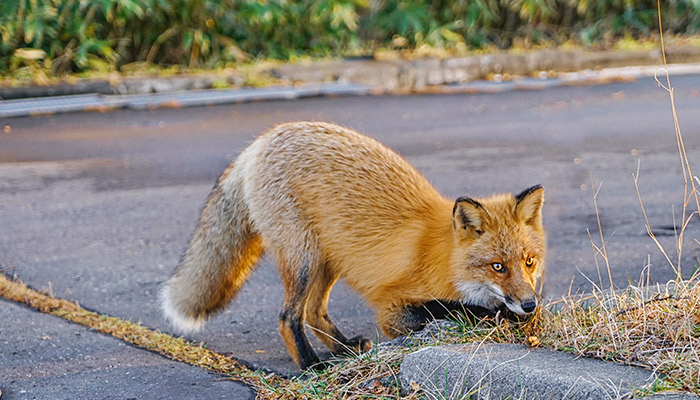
(585, 77)
(509, 371)
(98, 102)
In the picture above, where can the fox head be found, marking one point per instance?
(500, 250)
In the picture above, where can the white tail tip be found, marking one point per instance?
(181, 322)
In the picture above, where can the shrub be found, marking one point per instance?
(65, 36)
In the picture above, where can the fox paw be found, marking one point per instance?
(359, 344)
(318, 366)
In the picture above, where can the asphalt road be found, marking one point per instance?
(99, 207)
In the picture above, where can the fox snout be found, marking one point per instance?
(529, 306)
(521, 307)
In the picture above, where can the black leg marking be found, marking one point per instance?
(357, 344)
(303, 279)
(334, 331)
(307, 356)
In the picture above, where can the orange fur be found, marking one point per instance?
(333, 204)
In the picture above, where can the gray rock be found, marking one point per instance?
(509, 371)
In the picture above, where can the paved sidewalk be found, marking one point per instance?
(46, 357)
(194, 98)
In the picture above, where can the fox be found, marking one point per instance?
(330, 203)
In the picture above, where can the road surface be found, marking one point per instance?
(99, 207)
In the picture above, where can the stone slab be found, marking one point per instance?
(509, 371)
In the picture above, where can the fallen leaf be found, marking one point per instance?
(533, 341)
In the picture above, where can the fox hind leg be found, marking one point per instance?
(322, 324)
(295, 279)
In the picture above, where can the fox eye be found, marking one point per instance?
(498, 267)
(530, 262)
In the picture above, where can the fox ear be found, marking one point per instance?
(528, 205)
(468, 215)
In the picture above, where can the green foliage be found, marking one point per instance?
(63, 36)
(106, 34)
(499, 22)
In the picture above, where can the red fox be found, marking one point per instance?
(330, 204)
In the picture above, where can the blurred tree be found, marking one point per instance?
(106, 35)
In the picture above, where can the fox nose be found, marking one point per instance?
(529, 306)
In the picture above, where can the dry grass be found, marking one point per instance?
(653, 328)
(343, 380)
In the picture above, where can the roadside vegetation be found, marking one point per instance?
(56, 38)
(657, 328)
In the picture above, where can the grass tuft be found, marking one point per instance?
(657, 328)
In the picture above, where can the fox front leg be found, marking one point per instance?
(322, 324)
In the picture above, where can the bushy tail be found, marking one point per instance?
(223, 252)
